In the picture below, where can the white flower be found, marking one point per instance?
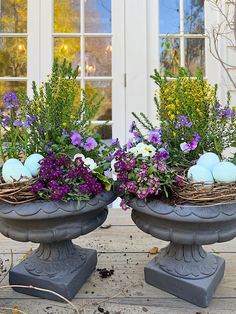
(143, 149)
(87, 161)
(114, 174)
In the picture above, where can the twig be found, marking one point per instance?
(44, 290)
(12, 309)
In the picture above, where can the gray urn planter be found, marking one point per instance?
(184, 268)
(57, 264)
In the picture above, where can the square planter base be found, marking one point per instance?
(66, 283)
(196, 291)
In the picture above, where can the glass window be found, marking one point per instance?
(13, 46)
(86, 41)
(182, 40)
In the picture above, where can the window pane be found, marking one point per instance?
(169, 17)
(194, 16)
(195, 54)
(67, 48)
(103, 89)
(104, 130)
(98, 56)
(98, 16)
(169, 55)
(6, 87)
(67, 16)
(13, 16)
(13, 56)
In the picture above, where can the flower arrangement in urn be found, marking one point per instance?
(49, 144)
(183, 157)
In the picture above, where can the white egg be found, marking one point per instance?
(225, 171)
(199, 174)
(14, 172)
(32, 163)
(208, 160)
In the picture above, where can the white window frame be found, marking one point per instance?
(40, 54)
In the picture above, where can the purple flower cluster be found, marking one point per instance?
(10, 101)
(155, 136)
(62, 179)
(188, 147)
(77, 140)
(138, 177)
(183, 121)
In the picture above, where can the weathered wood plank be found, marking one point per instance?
(128, 278)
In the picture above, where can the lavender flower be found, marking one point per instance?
(90, 144)
(76, 138)
(115, 142)
(17, 123)
(228, 113)
(183, 121)
(132, 127)
(155, 136)
(10, 100)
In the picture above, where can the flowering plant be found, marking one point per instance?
(56, 125)
(191, 117)
(142, 168)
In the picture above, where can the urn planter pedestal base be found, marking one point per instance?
(57, 264)
(184, 268)
(61, 267)
(194, 288)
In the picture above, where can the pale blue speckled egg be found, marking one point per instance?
(208, 160)
(15, 171)
(225, 171)
(32, 163)
(197, 174)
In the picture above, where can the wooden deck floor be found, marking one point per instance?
(124, 248)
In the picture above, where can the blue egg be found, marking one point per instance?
(197, 174)
(13, 161)
(32, 163)
(208, 160)
(15, 172)
(225, 171)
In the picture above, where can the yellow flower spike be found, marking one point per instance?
(72, 116)
(172, 116)
(64, 124)
(174, 134)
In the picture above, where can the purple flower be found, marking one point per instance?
(76, 138)
(130, 143)
(132, 127)
(228, 113)
(197, 136)
(6, 121)
(180, 181)
(187, 147)
(136, 136)
(115, 142)
(90, 144)
(36, 187)
(155, 136)
(183, 120)
(17, 123)
(164, 155)
(10, 100)
(64, 133)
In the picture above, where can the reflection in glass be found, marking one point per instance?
(69, 49)
(105, 131)
(195, 54)
(103, 89)
(98, 54)
(169, 55)
(194, 16)
(169, 17)
(13, 53)
(98, 16)
(6, 87)
(13, 16)
(67, 16)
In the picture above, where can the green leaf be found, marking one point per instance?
(104, 180)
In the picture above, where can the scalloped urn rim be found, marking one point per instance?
(41, 209)
(189, 213)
